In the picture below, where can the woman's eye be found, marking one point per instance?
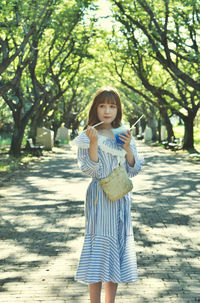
(110, 106)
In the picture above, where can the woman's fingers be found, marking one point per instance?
(125, 136)
(91, 132)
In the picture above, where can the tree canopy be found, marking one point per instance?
(55, 54)
(159, 55)
(43, 44)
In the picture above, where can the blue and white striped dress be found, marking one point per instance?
(108, 252)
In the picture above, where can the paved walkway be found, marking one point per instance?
(42, 227)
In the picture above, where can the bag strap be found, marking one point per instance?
(95, 202)
(120, 160)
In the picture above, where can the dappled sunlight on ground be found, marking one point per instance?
(42, 227)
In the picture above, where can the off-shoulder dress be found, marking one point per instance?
(108, 252)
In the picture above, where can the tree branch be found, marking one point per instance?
(166, 63)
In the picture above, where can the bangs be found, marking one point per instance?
(106, 97)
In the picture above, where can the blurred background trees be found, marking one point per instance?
(43, 44)
(54, 55)
(156, 55)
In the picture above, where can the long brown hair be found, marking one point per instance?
(105, 95)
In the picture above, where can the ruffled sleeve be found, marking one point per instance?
(87, 166)
(139, 161)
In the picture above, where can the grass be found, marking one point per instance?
(190, 155)
(5, 141)
(179, 133)
(9, 164)
(64, 141)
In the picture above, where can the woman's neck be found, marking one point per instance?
(105, 126)
(106, 130)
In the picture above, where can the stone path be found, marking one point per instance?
(42, 228)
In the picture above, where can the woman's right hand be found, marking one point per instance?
(92, 134)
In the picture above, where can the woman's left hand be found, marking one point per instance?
(126, 138)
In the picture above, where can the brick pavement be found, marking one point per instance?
(42, 227)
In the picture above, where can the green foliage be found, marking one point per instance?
(43, 44)
(179, 133)
(54, 56)
(8, 164)
(161, 51)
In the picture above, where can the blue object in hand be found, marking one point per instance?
(119, 131)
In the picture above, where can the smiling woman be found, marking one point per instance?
(108, 253)
(107, 112)
(106, 97)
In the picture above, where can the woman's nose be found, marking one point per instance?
(107, 109)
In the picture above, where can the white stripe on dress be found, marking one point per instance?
(108, 252)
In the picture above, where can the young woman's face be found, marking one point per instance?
(107, 112)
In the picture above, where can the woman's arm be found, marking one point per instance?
(133, 162)
(85, 163)
(126, 138)
(93, 152)
(93, 149)
(130, 157)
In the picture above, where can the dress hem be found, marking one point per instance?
(103, 281)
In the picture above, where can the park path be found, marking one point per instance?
(42, 228)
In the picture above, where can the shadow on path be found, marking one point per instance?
(34, 216)
(166, 216)
(42, 227)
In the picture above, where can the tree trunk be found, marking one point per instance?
(153, 126)
(55, 130)
(33, 132)
(159, 130)
(167, 122)
(17, 137)
(33, 127)
(75, 126)
(189, 134)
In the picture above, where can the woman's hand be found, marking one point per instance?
(126, 138)
(92, 134)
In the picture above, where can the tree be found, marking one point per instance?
(162, 42)
(19, 21)
(21, 52)
(60, 59)
(134, 106)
